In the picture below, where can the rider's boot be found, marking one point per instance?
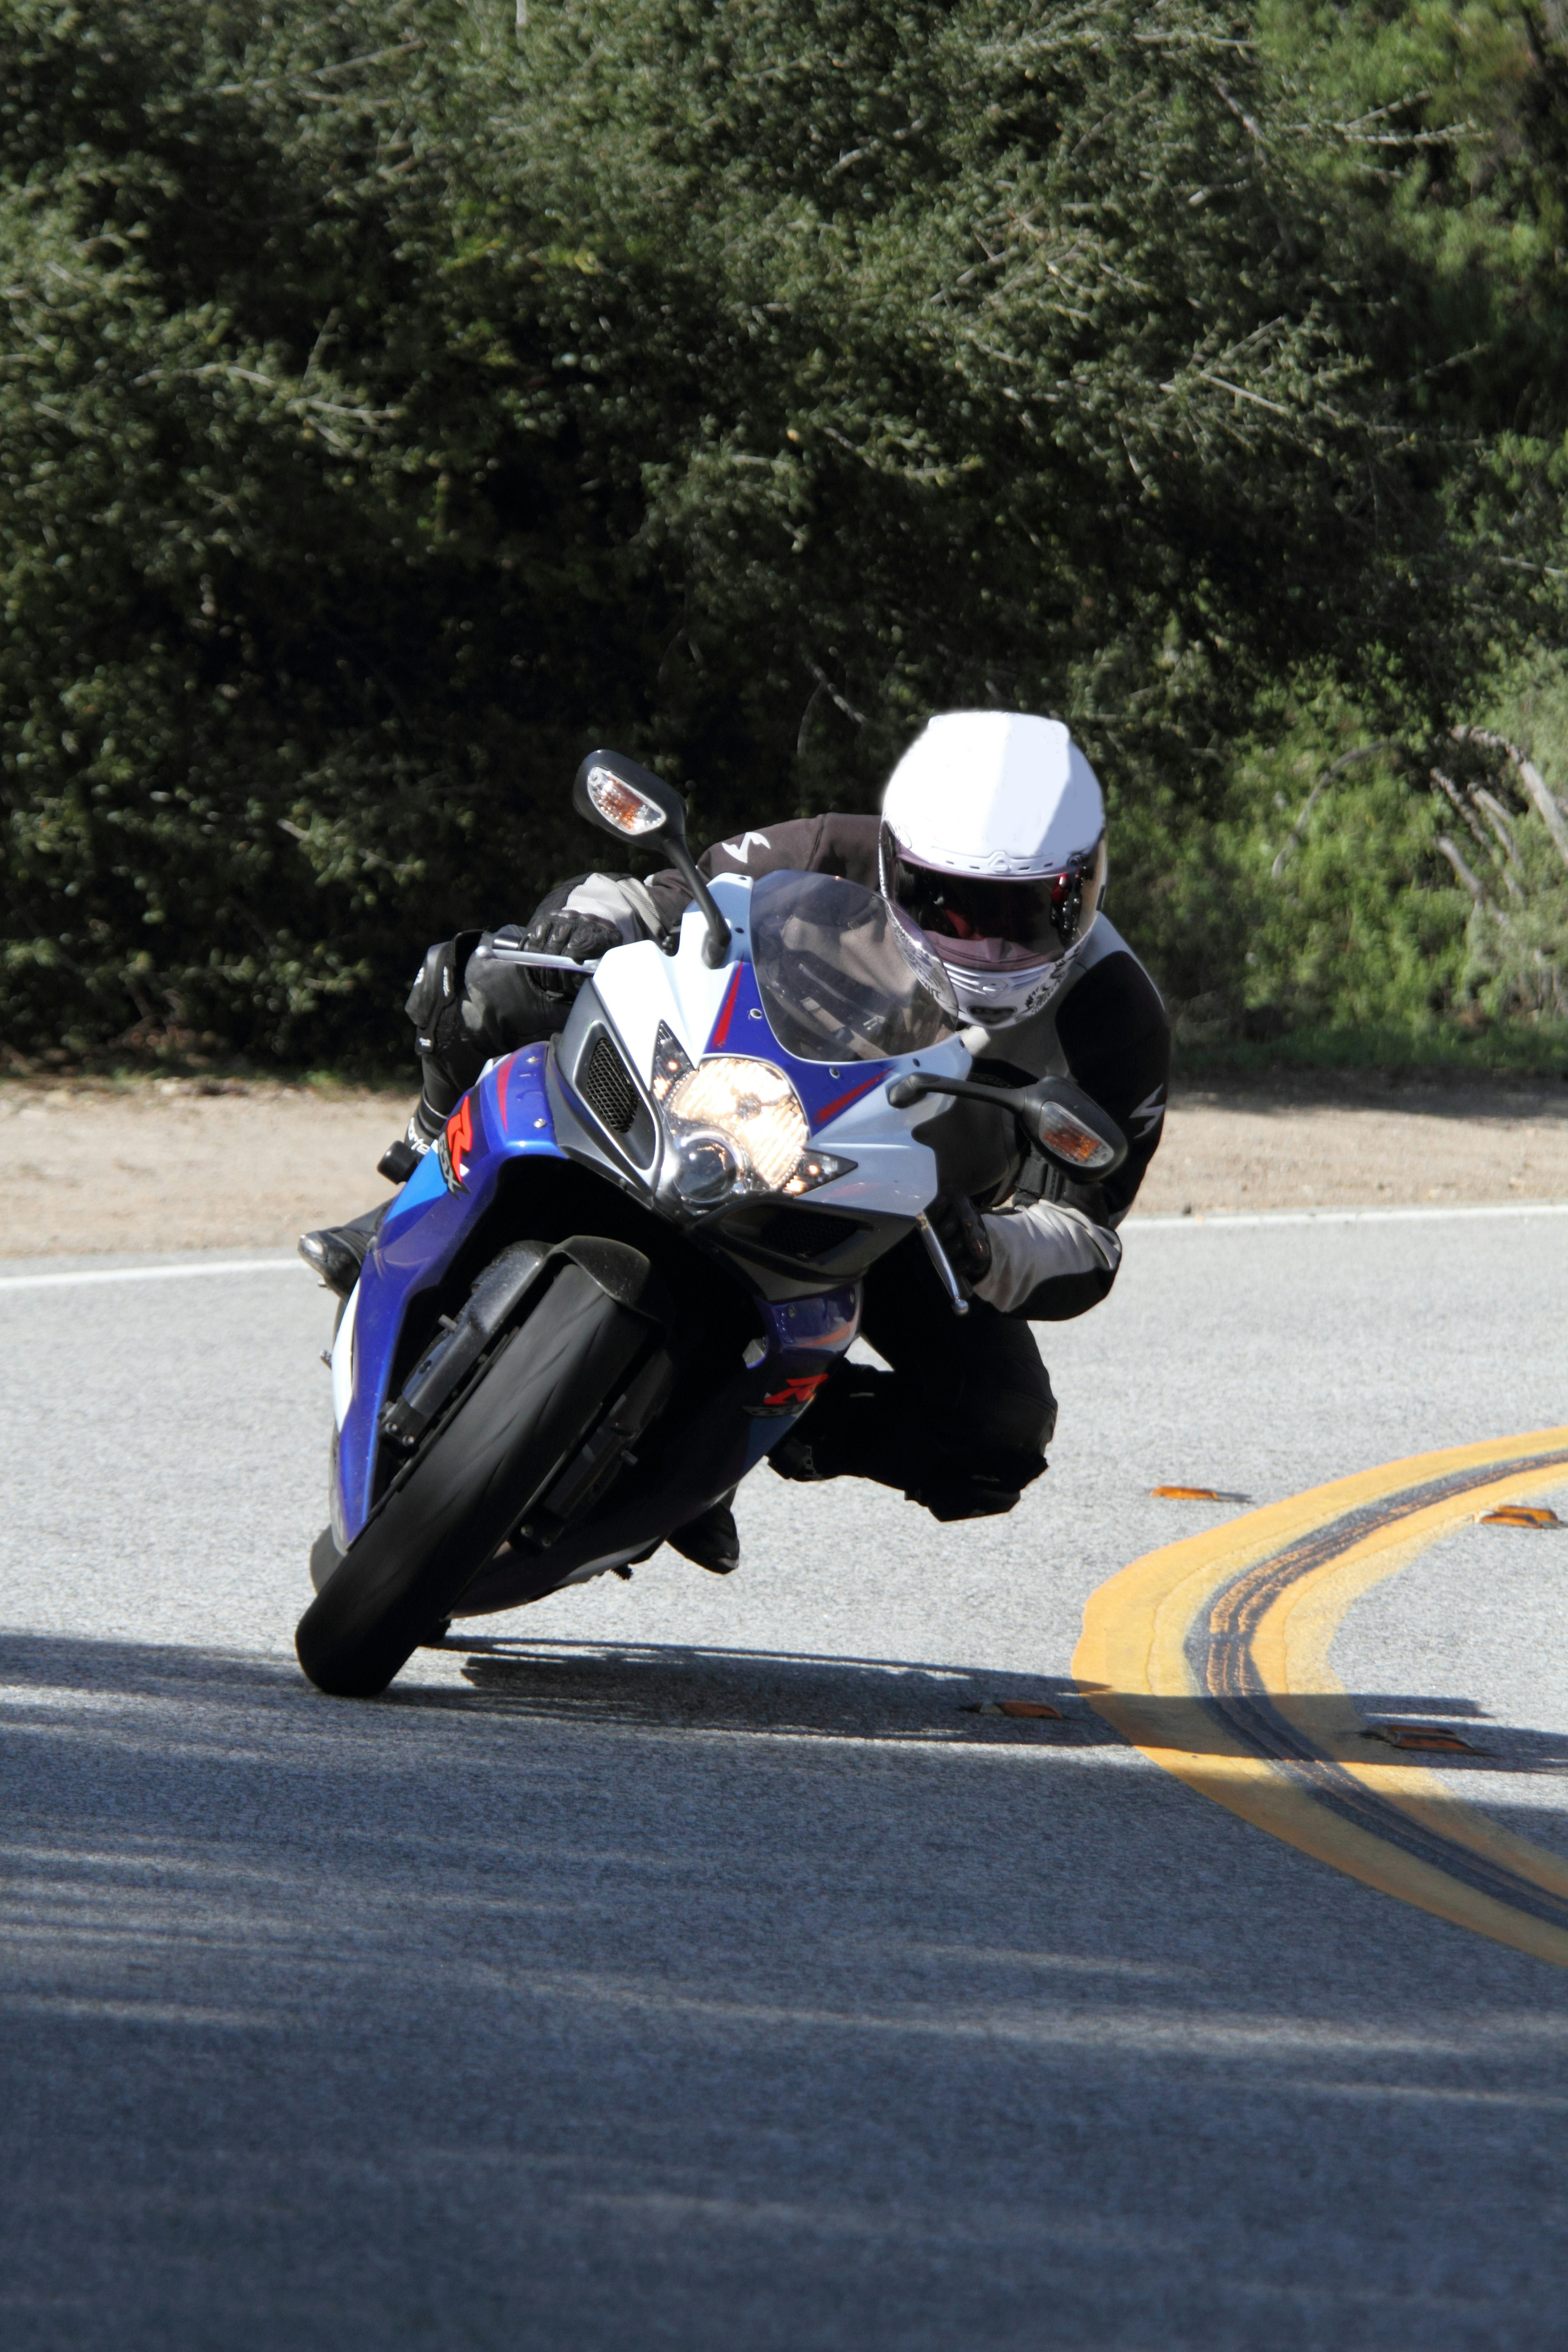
(711, 1539)
(338, 1252)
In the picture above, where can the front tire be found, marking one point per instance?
(465, 1492)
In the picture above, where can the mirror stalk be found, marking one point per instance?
(716, 946)
(631, 803)
(1079, 1114)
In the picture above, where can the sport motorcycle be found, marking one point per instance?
(635, 1255)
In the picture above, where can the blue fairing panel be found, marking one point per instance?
(505, 1117)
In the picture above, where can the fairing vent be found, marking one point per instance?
(607, 1087)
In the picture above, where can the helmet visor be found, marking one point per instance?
(985, 921)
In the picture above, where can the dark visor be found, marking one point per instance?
(1040, 918)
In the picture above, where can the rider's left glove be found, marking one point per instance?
(581, 937)
(961, 1229)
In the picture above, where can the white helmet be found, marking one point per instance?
(993, 846)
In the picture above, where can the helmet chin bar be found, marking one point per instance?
(1009, 999)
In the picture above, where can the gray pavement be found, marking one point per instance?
(688, 1966)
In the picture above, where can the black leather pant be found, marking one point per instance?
(961, 1420)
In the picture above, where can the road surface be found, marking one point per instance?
(681, 1962)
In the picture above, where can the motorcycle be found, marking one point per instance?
(635, 1255)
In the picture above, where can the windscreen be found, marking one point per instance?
(842, 979)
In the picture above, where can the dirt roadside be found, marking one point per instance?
(88, 1166)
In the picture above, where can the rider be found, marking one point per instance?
(992, 838)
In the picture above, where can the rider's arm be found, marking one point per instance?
(651, 910)
(632, 909)
(1117, 1039)
(1051, 1260)
(470, 1001)
(1048, 1261)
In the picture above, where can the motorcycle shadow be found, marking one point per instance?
(657, 1686)
(671, 1686)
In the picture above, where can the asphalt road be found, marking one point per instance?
(688, 1966)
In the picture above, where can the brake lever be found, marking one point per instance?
(943, 1265)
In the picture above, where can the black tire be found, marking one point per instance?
(325, 1559)
(441, 1520)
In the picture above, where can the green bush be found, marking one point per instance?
(394, 403)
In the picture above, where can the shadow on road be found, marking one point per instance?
(520, 2012)
(696, 1689)
(685, 1687)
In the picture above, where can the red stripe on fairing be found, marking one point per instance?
(726, 1011)
(503, 1074)
(842, 1102)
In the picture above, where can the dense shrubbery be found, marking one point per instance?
(395, 401)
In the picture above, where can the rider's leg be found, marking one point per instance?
(962, 1421)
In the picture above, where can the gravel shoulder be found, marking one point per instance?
(88, 1166)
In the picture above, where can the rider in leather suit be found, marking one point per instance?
(993, 839)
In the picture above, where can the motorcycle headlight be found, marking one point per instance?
(737, 1125)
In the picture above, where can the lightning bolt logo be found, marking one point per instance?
(1148, 1114)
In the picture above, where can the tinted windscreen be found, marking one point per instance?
(841, 979)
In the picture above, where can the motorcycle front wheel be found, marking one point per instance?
(468, 1486)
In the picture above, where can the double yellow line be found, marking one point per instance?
(1212, 1657)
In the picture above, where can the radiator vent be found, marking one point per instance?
(606, 1085)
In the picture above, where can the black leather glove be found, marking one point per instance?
(961, 1229)
(581, 937)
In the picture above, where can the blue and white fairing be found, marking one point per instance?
(641, 996)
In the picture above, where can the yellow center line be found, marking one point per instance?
(1199, 1699)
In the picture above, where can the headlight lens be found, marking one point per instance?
(751, 1106)
(738, 1126)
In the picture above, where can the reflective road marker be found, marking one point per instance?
(1211, 1655)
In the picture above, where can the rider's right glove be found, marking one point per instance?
(581, 937)
(961, 1229)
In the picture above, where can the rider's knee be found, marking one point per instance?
(1020, 1422)
(1006, 1406)
(985, 1487)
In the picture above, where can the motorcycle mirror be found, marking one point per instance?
(626, 800)
(1070, 1128)
(620, 797)
(1068, 1125)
